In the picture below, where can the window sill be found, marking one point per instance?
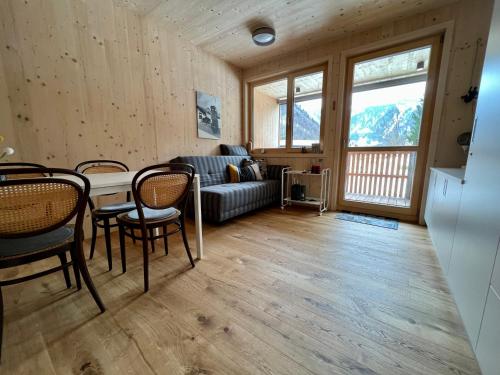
(288, 155)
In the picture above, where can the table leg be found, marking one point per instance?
(197, 217)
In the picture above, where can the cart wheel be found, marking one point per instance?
(282, 208)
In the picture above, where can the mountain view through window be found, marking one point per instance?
(389, 116)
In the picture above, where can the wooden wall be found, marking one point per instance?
(174, 71)
(471, 22)
(85, 79)
(267, 114)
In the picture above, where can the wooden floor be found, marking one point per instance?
(377, 199)
(278, 293)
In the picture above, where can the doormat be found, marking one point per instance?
(370, 220)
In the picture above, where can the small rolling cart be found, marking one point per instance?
(306, 188)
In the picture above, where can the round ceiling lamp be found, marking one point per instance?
(264, 36)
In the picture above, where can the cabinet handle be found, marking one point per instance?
(445, 187)
(473, 131)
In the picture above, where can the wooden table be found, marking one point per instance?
(109, 183)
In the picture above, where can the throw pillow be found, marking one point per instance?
(250, 173)
(234, 173)
(262, 164)
(233, 150)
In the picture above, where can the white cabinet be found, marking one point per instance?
(448, 206)
(443, 201)
(478, 226)
(488, 346)
(472, 275)
(430, 198)
(495, 278)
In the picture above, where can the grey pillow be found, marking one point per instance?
(262, 163)
(250, 173)
(234, 150)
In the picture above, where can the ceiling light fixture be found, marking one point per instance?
(264, 36)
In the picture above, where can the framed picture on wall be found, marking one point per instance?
(208, 109)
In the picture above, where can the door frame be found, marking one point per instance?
(412, 213)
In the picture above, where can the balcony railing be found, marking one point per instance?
(380, 177)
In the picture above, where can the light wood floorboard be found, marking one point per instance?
(278, 293)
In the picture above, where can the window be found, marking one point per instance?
(270, 115)
(387, 99)
(278, 125)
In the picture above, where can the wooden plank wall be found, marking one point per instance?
(174, 70)
(85, 79)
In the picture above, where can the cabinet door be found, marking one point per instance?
(437, 226)
(448, 214)
(488, 346)
(495, 278)
(430, 200)
(478, 226)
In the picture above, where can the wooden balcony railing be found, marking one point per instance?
(380, 174)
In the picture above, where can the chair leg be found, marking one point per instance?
(186, 245)
(165, 239)
(75, 268)
(133, 235)
(146, 260)
(151, 235)
(121, 231)
(94, 237)
(1, 322)
(64, 261)
(82, 266)
(107, 236)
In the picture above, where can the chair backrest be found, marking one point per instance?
(162, 186)
(31, 206)
(21, 165)
(101, 166)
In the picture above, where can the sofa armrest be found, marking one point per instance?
(274, 171)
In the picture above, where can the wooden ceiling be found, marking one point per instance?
(223, 27)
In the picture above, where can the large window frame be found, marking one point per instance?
(290, 101)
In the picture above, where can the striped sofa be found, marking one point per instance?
(220, 200)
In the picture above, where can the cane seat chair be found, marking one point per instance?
(62, 256)
(35, 215)
(21, 165)
(103, 216)
(160, 194)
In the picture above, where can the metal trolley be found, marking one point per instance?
(310, 180)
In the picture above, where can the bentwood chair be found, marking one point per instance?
(102, 216)
(21, 165)
(34, 223)
(62, 256)
(160, 195)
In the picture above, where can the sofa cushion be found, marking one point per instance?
(212, 169)
(221, 202)
(233, 150)
(119, 207)
(26, 245)
(152, 214)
